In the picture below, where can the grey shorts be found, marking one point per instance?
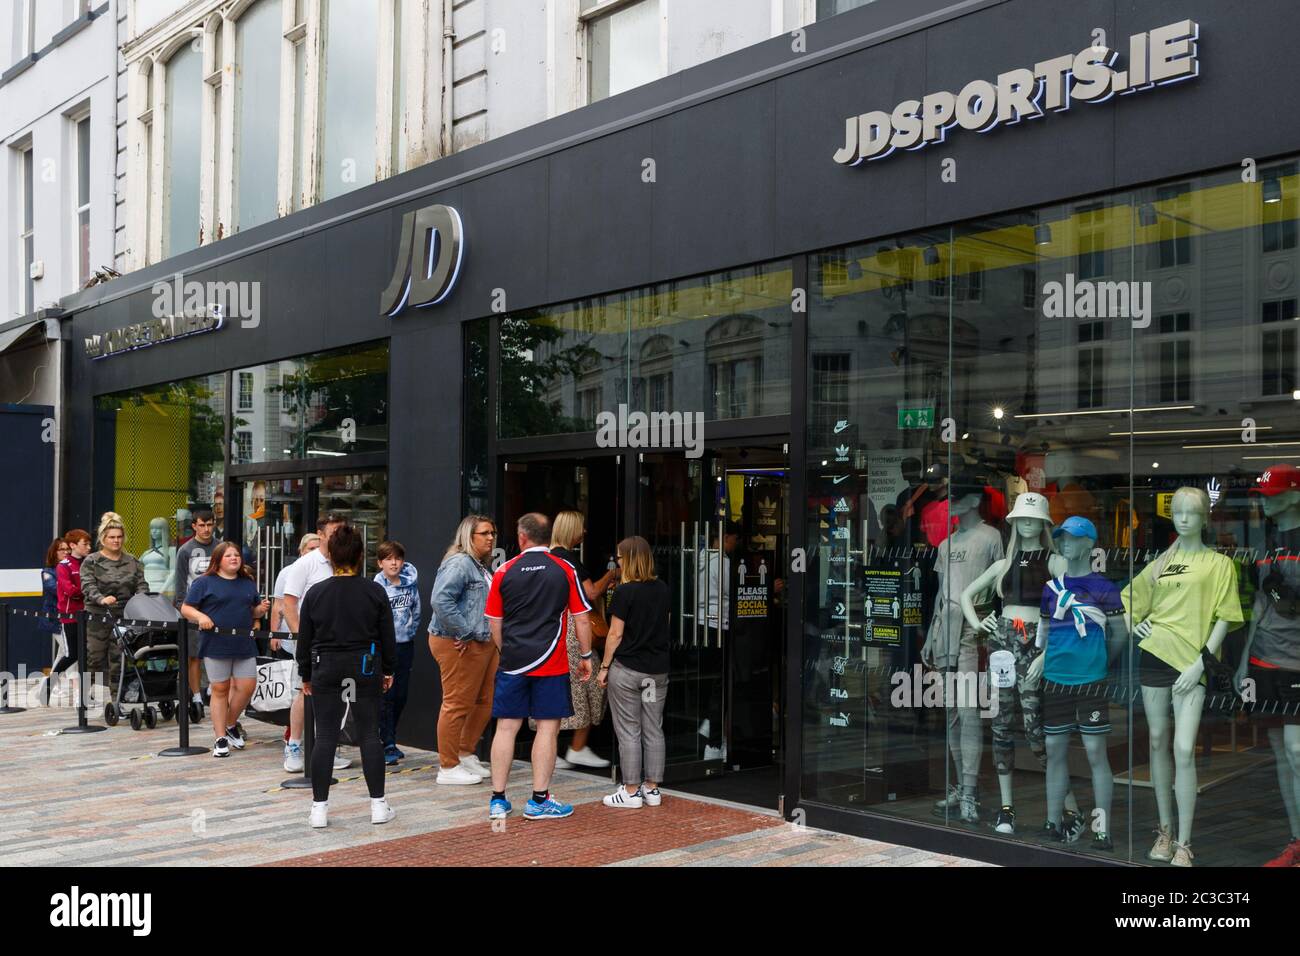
(221, 669)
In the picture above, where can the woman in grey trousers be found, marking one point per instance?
(635, 674)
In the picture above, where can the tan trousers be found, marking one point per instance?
(468, 680)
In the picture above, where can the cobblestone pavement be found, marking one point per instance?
(107, 799)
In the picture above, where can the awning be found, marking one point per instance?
(28, 331)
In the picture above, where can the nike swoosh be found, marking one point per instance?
(840, 427)
(839, 479)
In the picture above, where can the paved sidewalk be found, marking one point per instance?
(107, 799)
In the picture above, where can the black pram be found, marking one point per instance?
(150, 663)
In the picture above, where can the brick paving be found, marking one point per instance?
(107, 799)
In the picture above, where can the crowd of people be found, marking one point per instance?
(529, 642)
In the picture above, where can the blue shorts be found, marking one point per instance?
(518, 696)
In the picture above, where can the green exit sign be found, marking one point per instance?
(916, 417)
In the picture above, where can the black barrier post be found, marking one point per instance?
(308, 743)
(183, 747)
(4, 662)
(84, 682)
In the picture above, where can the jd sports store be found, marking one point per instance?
(950, 398)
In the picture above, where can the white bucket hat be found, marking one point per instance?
(1030, 504)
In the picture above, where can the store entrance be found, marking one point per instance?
(718, 526)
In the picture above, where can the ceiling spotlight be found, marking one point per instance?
(998, 413)
(1042, 234)
(1272, 191)
(965, 435)
(1155, 464)
(1147, 214)
(931, 256)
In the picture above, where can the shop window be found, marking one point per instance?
(323, 405)
(258, 42)
(159, 455)
(183, 139)
(475, 436)
(623, 46)
(1278, 352)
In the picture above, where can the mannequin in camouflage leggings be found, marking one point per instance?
(1018, 579)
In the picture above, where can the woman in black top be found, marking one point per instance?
(347, 653)
(635, 671)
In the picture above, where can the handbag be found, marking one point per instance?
(275, 686)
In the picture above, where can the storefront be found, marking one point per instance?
(1092, 306)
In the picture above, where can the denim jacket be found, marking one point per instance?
(460, 593)
(404, 599)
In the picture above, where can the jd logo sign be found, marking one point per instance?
(428, 259)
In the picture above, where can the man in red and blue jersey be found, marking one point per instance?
(528, 610)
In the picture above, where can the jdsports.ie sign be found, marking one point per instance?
(429, 257)
(1158, 57)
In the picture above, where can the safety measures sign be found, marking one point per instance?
(891, 606)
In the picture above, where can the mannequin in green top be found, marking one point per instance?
(1185, 601)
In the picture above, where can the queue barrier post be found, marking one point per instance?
(303, 782)
(4, 662)
(84, 682)
(183, 747)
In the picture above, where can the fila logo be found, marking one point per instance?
(429, 258)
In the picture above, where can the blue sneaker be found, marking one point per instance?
(499, 808)
(396, 750)
(552, 809)
(391, 756)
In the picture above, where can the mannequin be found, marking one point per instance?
(1272, 655)
(952, 644)
(1082, 629)
(1018, 579)
(1185, 601)
(159, 558)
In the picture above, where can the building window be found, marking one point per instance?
(24, 21)
(1029, 288)
(245, 392)
(81, 224)
(297, 36)
(1174, 358)
(1092, 366)
(829, 8)
(1278, 346)
(1278, 232)
(830, 395)
(183, 129)
(27, 229)
(1091, 261)
(624, 48)
(348, 96)
(1172, 209)
(243, 447)
(258, 39)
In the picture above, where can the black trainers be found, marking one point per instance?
(1070, 828)
(1102, 841)
(221, 748)
(1005, 821)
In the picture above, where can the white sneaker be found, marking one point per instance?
(320, 814)
(585, 757)
(474, 765)
(341, 762)
(293, 760)
(652, 798)
(620, 798)
(458, 776)
(380, 811)
(562, 764)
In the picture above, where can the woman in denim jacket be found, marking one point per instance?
(462, 645)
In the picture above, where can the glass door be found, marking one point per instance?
(362, 499)
(271, 520)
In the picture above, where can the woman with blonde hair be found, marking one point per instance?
(635, 670)
(109, 578)
(461, 643)
(567, 533)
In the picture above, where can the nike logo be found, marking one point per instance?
(838, 479)
(841, 425)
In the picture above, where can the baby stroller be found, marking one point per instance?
(150, 664)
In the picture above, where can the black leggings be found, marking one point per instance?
(328, 673)
(70, 656)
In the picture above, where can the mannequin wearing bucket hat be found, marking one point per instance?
(1018, 580)
(951, 643)
(1272, 655)
(1186, 601)
(1082, 629)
